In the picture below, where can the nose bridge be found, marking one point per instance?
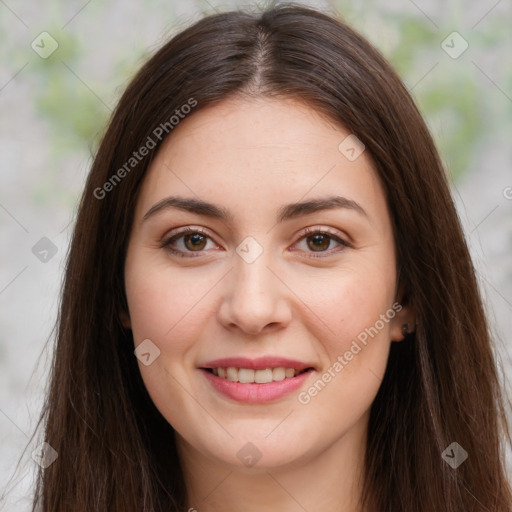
(252, 278)
(255, 297)
(253, 257)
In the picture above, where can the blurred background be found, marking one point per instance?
(64, 65)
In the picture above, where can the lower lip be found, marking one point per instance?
(256, 393)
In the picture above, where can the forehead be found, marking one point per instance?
(254, 155)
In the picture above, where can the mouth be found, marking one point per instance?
(260, 380)
(252, 376)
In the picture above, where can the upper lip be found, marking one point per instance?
(259, 363)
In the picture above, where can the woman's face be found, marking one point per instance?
(268, 290)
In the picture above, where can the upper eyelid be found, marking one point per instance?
(304, 231)
(185, 230)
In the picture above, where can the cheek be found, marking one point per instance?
(163, 304)
(359, 311)
(166, 308)
(347, 304)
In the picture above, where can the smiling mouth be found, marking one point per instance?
(251, 376)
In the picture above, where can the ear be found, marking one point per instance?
(125, 320)
(404, 321)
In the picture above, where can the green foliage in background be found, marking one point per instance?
(455, 98)
(450, 97)
(73, 111)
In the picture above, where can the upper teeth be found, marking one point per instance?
(248, 375)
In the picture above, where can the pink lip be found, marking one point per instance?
(252, 392)
(259, 363)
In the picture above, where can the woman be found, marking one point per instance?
(268, 302)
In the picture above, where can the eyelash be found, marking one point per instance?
(308, 231)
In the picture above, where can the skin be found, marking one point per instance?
(252, 157)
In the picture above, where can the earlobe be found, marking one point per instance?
(404, 322)
(407, 329)
(125, 320)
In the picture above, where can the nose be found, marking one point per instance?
(255, 299)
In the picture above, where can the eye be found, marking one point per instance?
(195, 240)
(188, 240)
(318, 241)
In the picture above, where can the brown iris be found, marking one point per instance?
(197, 240)
(319, 241)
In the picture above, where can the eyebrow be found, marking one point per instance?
(287, 212)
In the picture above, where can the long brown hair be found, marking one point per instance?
(115, 450)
